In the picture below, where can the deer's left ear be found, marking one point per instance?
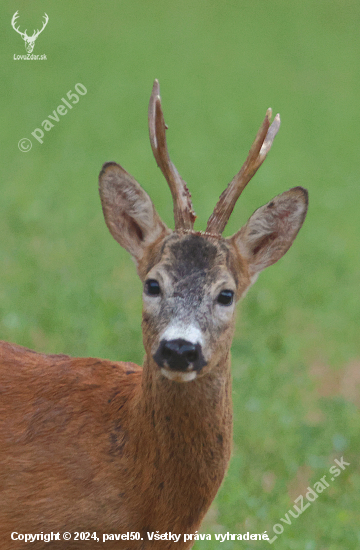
(129, 212)
(271, 230)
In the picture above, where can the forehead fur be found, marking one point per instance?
(192, 253)
(195, 254)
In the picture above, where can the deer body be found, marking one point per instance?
(92, 445)
(95, 453)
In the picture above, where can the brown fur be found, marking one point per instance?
(94, 445)
(90, 445)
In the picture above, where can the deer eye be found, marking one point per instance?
(152, 287)
(225, 297)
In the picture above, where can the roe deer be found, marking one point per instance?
(90, 445)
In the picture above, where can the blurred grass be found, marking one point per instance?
(66, 286)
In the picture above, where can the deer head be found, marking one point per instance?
(29, 40)
(193, 279)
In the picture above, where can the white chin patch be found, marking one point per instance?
(190, 333)
(178, 376)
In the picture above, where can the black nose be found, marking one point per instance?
(180, 355)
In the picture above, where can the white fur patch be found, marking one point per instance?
(177, 376)
(190, 333)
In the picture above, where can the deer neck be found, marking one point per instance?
(187, 405)
(186, 434)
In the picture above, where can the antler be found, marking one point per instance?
(183, 209)
(257, 154)
(13, 21)
(43, 27)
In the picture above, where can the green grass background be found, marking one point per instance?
(66, 286)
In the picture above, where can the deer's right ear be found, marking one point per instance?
(271, 230)
(129, 212)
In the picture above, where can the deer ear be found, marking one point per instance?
(272, 229)
(129, 212)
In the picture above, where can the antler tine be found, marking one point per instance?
(257, 154)
(43, 27)
(14, 18)
(183, 209)
(13, 21)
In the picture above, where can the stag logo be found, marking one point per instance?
(29, 40)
